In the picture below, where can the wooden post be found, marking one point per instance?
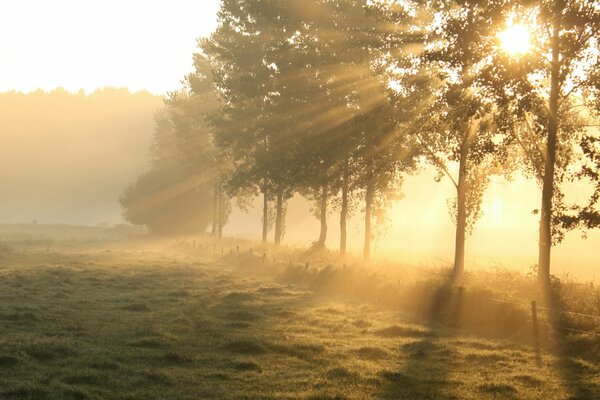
(264, 257)
(536, 339)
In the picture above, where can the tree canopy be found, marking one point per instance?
(339, 100)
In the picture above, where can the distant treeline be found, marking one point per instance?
(339, 100)
(66, 157)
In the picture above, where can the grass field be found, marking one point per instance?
(106, 322)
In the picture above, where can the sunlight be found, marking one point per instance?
(515, 39)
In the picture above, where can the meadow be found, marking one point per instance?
(90, 313)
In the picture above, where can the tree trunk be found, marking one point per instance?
(265, 226)
(279, 217)
(323, 216)
(344, 210)
(215, 208)
(461, 209)
(370, 192)
(545, 244)
(221, 211)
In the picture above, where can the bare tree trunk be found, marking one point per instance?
(545, 245)
(215, 208)
(461, 219)
(221, 210)
(344, 210)
(265, 226)
(323, 216)
(370, 192)
(279, 217)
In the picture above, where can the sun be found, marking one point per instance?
(515, 39)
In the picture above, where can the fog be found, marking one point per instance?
(67, 157)
(420, 232)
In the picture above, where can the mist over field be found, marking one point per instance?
(421, 231)
(109, 134)
(67, 157)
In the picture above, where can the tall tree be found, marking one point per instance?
(551, 87)
(385, 152)
(342, 44)
(459, 129)
(252, 49)
(197, 108)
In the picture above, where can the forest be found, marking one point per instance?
(340, 101)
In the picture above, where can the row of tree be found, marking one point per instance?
(338, 100)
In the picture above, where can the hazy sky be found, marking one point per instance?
(75, 44)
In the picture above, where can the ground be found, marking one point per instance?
(119, 323)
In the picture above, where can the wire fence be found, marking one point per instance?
(447, 273)
(548, 309)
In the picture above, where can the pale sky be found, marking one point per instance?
(88, 44)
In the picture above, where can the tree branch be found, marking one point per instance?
(437, 161)
(528, 153)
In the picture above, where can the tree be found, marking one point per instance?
(167, 199)
(197, 108)
(552, 86)
(340, 45)
(462, 125)
(384, 153)
(292, 77)
(251, 51)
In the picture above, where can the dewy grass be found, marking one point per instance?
(145, 324)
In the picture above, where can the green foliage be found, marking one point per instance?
(165, 201)
(339, 99)
(522, 85)
(184, 190)
(461, 126)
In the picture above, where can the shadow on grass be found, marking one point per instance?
(425, 374)
(429, 360)
(569, 344)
